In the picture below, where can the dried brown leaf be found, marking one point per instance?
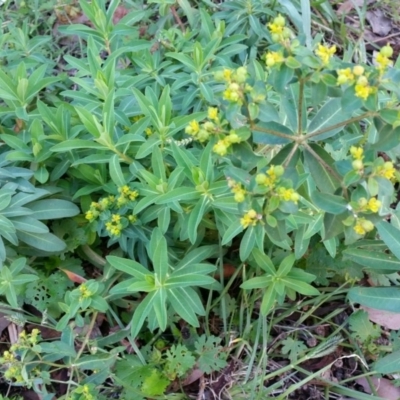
(387, 319)
(384, 387)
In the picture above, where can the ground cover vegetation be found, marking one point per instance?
(197, 200)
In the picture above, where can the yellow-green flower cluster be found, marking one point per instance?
(249, 219)
(114, 226)
(325, 53)
(85, 392)
(273, 58)
(358, 154)
(279, 31)
(110, 209)
(12, 363)
(126, 194)
(362, 226)
(26, 341)
(271, 177)
(14, 367)
(383, 58)
(347, 76)
(211, 126)
(362, 88)
(85, 292)
(222, 146)
(288, 194)
(372, 205)
(235, 82)
(238, 190)
(386, 170)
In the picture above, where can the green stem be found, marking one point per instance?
(87, 337)
(290, 155)
(339, 124)
(272, 132)
(95, 258)
(300, 113)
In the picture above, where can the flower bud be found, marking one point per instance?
(252, 214)
(367, 225)
(358, 70)
(387, 51)
(279, 20)
(357, 165)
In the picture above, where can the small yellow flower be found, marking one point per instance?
(239, 191)
(232, 138)
(148, 131)
(104, 204)
(358, 70)
(325, 53)
(345, 76)
(133, 194)
(357, 152)
(115, 218)
(363, 226)
(221, 147)
(132, 218)
(288, 194)
(250, 218)
(84, 291)
(363, 91)
(374, 204)
(275, 28)
(231, 95)
(227, 74)
(193, 128)
(213, 113)
(386, 170)
(272, 58)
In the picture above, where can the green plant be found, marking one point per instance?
(174, 155)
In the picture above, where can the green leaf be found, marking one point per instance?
(259, 282)
(300, 287)
(286, 265)
(160, 308)
(116, 172)
(325, 181)
(247, 243)
(196, 216)
(373, 259)
(391, 236)
(130, 267)
(233, 230)
(330, 114)
(90, 121)
(381, 298)
(190, 279)
(29, 224)
(180, 301)
(42, 241)
(263, 261)
(197, 255)
(141, 313)
(268, 300)
(159, 254)
(389, 364)
(362, 328)
(75, 144)
(293, 348)
(53, 209)
(329, 202)
(179, 194)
